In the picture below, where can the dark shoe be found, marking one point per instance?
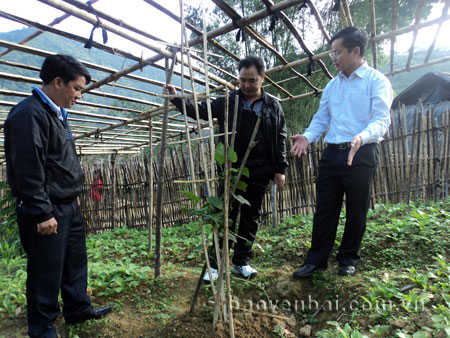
(49, 332)
(347, 270)
(306, 271)
(92, 314)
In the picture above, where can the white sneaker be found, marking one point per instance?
(214, 274)
(245, 271)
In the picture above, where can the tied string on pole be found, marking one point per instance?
(240, 35)
(89, 43)
(311, 66)
(273, 19)
(336, 6)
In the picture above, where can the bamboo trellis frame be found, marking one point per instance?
(86, 129)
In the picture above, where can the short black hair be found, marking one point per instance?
(252, 60)
(352, 37)
(64, 66)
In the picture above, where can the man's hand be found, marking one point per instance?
(300, 145)
(278, 180)
(47, 227)
(169, 90)
(356, 143)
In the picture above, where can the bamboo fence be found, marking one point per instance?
(414, 164)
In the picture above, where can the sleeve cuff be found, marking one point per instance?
(43, 218)
(365, 137)
(308, 136)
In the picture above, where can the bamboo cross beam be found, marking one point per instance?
(36, 34)
(161, 52)
(229, 11)
(44, 53)
(113, 20)
(411, 28)
(192, 28)
(290, 25)
(212, 41)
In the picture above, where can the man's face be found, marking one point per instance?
(250, 82)
(343, 59)
(68, 93)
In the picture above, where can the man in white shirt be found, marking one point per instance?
(355, 107)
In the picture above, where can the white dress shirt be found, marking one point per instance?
(357, 105)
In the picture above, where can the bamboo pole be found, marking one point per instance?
(208, 101)
(347, 12)
(150, 187)
(394, 20)
(373, 32)
(159, 192)
(416, 21)
(430, 49)
(316, 14)
(207, 266)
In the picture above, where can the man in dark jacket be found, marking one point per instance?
(267, 160)
(46, 177)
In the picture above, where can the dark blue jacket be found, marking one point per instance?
(273, 123)
(41, 162)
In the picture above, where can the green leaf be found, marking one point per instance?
(219, 154)
(191, 196)
(246, 172)
(232, 156)
(242, 186)
(241, 199)
(215, 201)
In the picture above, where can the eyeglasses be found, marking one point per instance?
(336, 53)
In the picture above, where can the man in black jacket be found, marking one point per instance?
(267, 160)
(46, 177)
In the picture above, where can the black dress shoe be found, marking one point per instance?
(347, 270)
(92, 314)
(306, 271)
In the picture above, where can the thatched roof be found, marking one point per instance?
(431, 88)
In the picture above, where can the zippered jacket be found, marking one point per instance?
(41, 162)
(273, 123)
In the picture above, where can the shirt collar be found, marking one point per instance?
(360, 71)
(60, 112)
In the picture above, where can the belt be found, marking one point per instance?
(340, 146)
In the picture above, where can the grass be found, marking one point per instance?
(402, 288)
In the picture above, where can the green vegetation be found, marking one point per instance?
(402, 288)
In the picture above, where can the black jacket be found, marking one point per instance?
(273, 123)
(41, 161)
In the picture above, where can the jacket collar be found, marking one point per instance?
(264, 96)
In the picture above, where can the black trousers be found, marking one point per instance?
(55, 262)
(335, 179)
(248, 221)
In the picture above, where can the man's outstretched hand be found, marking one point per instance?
(300, 145)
